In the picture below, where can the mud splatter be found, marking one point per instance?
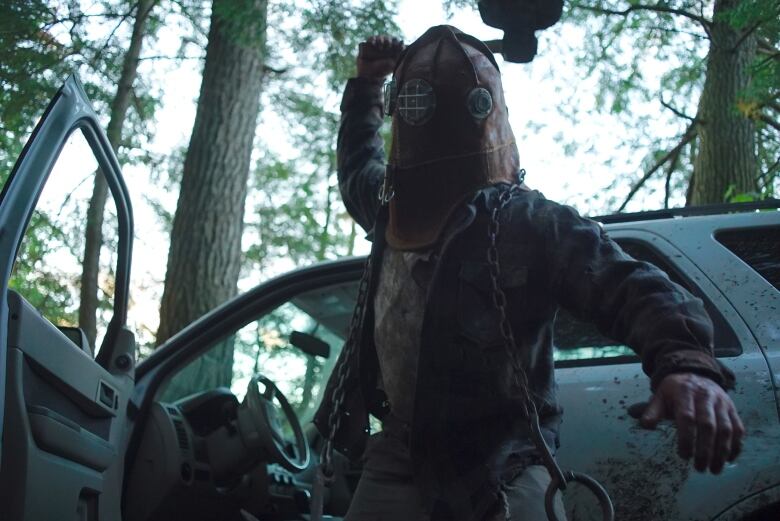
(638, 495)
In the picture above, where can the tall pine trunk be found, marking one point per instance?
(93, 239)
(726, 157)
(204, 259)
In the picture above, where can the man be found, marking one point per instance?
(467, 270)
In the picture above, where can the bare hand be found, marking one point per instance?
(708, 426)
(377, 56)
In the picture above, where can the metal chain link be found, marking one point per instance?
(499, 299)
(344, 370)
(559, 479)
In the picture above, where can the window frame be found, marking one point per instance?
(694, 281)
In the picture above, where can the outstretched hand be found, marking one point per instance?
(377, 56)
(708, 426)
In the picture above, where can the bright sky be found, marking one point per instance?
(530, 97)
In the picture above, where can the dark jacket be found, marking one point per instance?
(467, 434)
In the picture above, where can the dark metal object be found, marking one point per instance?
(480, 103)
(390, 94)
(416, 102)
(559, 479)
(310, 344)
(607, 510)
(520, 19)
(124, 362)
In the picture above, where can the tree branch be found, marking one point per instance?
(275, 70)
(122, 20)
(766, 47)
(771, 169)
(753, 28)
(80, 18)
(675, 160)
(163, 57)
(672, 155)
(676, 112)
(769, 121)
(656, 8)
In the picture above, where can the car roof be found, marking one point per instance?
(691, 211)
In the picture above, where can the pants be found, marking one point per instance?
(386, 491)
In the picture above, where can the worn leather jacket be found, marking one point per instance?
(467, 435)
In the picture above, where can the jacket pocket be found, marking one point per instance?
(478, 317)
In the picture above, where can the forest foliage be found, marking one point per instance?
(647, 64)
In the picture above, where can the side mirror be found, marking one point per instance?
(310, 344)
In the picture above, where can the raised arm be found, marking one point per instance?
(360, 152)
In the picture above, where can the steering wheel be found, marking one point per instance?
(261, 430)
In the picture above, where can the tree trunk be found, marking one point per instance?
(205, 372)
(93, 239)
(205, 251)
(726, 158)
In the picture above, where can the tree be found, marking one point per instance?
(295, 210)
(41, 43)
(298, 213)
(712, 55)
(89, 298)
(204, 259)
(33, 63)
(717, 84)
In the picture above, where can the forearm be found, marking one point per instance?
(631, 301)
(360, 152)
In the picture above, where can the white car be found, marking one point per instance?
(201, 429)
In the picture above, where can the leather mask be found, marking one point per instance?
(450, 133)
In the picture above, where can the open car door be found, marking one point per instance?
(63, 408)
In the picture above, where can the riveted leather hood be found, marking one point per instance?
(450, 133)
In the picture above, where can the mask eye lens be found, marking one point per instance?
(416, 102)
(480, 103)
(391, 91)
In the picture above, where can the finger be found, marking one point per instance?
(654, 413)
(685, 418)
(723, 437)
(705, 431)
(738, 434)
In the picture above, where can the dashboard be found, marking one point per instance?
(193, 463)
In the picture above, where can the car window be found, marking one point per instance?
(578, 342)
(275, 345)
(49, 263)
(759, 248)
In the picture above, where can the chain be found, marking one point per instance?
(344, 369)
(558, 479)
(499, 299)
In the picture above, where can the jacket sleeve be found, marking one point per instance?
(629, 300)
(360, 153)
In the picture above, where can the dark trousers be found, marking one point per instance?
(386, 491)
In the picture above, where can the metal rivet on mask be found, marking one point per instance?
(480, 103)
(416, 102)
(391, 91)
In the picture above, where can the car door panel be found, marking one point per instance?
(64, 413)
(640, 468)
